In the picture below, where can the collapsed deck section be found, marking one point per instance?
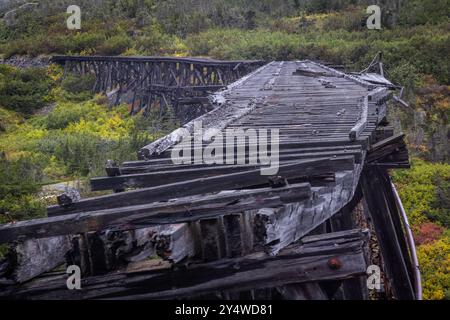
(331, 128)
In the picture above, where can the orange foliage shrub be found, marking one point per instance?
(427, 232)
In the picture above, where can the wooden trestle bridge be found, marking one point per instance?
(157, 82)
(225, 231)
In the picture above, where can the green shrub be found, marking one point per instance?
(78, 151)
(66, 113)
(434, 260)
(21, 176)
(405, 74)
(351, 21)
(424, 192)
(9, 120)
(19, 179)
(73, 42)
(83, 136)
(25, 207)
(115, 45)
(416, 12)
(24, 90)
(441, 204)
(153, 41)
(78, 84)
(84, 153)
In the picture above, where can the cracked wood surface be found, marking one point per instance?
(315, 109)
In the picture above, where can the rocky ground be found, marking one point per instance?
(27, 62)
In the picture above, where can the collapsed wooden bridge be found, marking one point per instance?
(223, 230)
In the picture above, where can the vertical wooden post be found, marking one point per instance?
(356, 288)
(377, 203)
(396, 220)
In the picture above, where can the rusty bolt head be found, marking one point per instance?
(334, 263)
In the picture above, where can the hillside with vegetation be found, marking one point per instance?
(54, 130)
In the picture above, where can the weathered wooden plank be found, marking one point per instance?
(282, 226)
(193, 171)
(181, 210)
(397, 221)
(284, 148)
(216, 119)
(375, 197)
(362, 121)
(309, 262)
(397, 138)
(30, 258)
(390, 150)
(356, 288)
(199, 186)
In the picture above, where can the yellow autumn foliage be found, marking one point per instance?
(435, 268)
(112, 128)
(418, 189)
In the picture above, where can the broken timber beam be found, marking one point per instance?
(281, 226)
(171, 174)
(386, 147)
(243, 179)
(378, 201)
(177, 211)
(359, 127)
(308, 261)
(32, 257)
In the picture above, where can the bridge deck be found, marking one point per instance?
(300, 106)
(320, 108)
(331, 126)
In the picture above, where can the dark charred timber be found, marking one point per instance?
(340, 163)
(181, 210)
(68, 198)
(165, 158)
(355, 288)
(306, 262)
(64, 200)
(294, 147)
(390, 149)
(98, 253)
(305, 291)
(288, 142)
(112, 169)
(163, 174)
(383, 132)
(396, 220)
(377, 200)
(198, 186)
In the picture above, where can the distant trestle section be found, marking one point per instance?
(159, 83)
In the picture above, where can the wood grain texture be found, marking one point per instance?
(307, 262)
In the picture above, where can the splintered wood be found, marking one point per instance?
(196, 229)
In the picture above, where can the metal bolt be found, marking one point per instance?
(334, 263)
